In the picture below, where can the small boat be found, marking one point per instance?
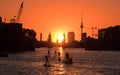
(3, 55)
(68, 61)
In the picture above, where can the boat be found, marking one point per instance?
(68, 61)
(3, 55)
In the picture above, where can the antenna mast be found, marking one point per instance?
(81, 26)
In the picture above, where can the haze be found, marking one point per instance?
(62, 16)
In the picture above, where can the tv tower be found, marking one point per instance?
(81, 26)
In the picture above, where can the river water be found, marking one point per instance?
(85, 62)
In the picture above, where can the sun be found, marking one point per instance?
(60, 38)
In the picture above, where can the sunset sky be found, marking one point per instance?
(62, 16)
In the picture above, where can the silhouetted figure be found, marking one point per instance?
(55, 53)
(46, 60)
(67, 59)
(66, 55)
(58, 54)
(70, 60)
(59, 59)
(49, 53)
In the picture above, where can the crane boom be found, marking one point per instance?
(19, 13)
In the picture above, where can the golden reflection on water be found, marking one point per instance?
(60, 49)
(59, 68)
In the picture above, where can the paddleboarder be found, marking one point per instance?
(46, 60)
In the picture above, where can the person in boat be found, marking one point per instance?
(67, 59)
(66, 55)
(70, 61)
(46, 60)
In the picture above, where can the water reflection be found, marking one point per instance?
(59, 69)
(85, 63)
(60, 56)
(60, 49)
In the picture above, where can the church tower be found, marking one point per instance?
(49, 38)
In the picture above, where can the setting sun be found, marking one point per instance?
(60, 38)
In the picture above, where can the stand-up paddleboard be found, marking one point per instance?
(47, 65)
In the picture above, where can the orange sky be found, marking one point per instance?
(59, 16)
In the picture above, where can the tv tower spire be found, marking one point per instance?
(81, 26)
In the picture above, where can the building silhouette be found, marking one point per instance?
(14, 38)
(110, 37)
(84, 36)
(71, 37)
(49, 38)
(64, 38)
(0, 20)
(40, 36)
(10, 35)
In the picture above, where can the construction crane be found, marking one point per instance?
(19, 13)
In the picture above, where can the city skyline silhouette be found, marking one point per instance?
(62, 16)
(59, 37)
